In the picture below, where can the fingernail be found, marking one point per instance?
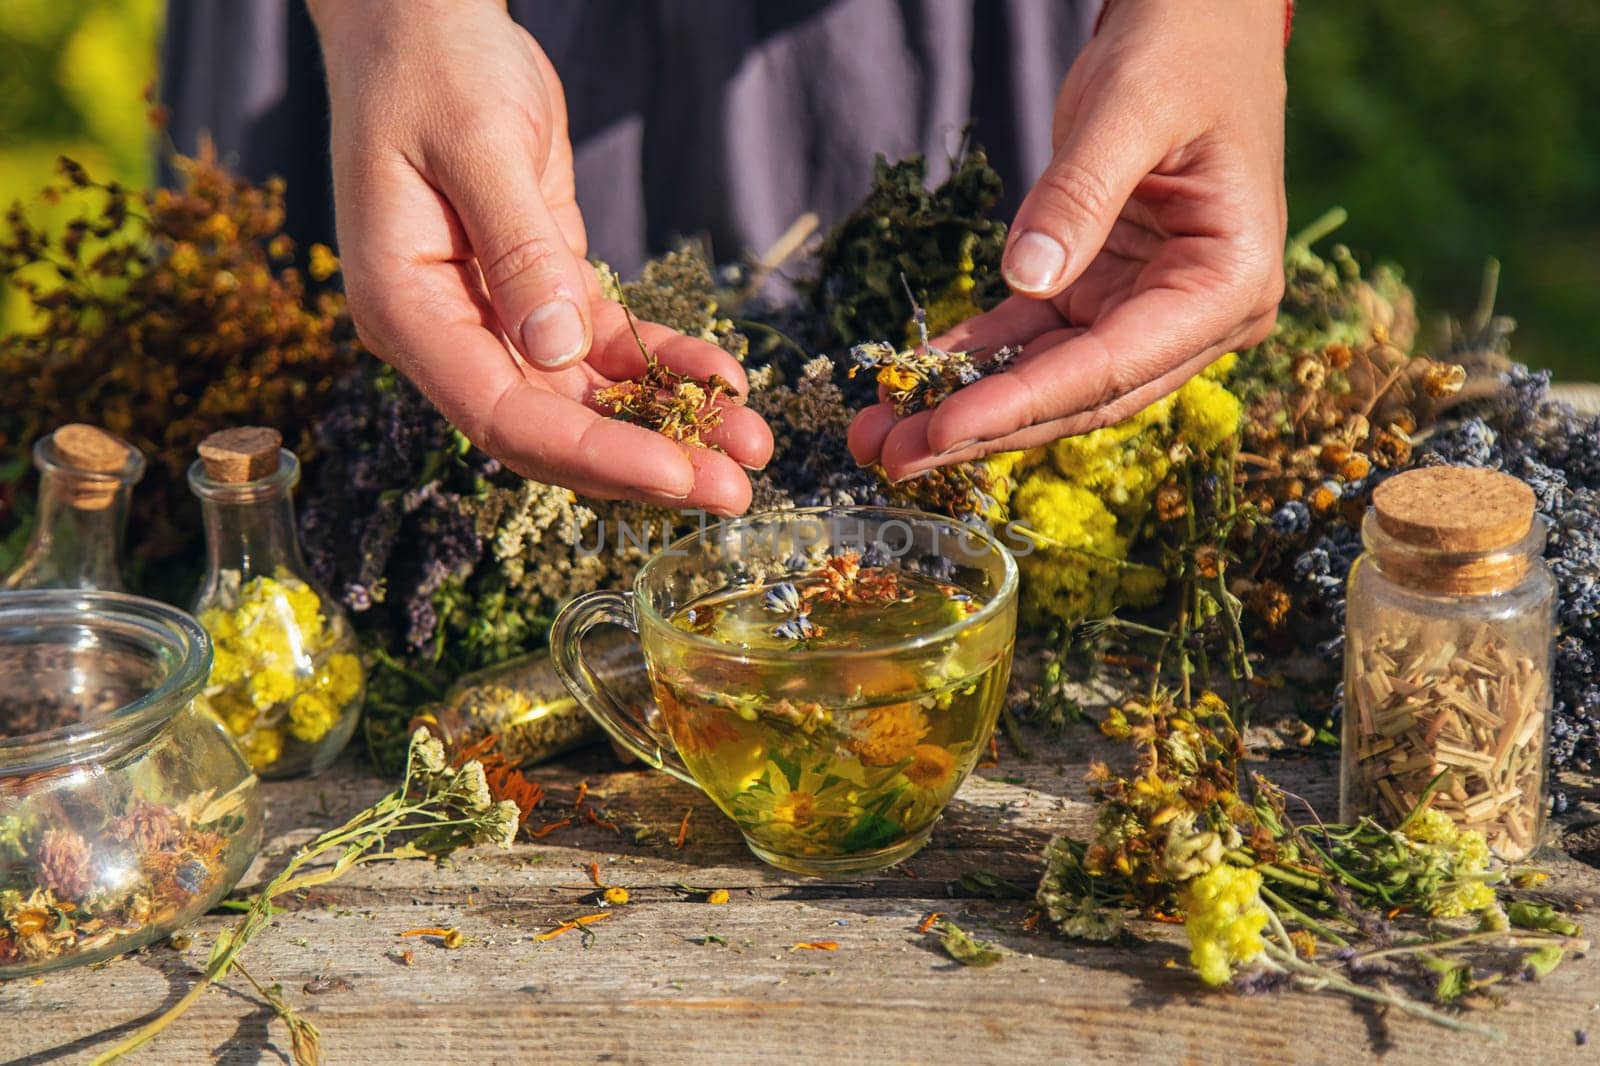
(959, 446)
(1036, 260)
(903, 479)
(553, 335)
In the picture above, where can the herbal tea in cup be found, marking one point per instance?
(827, 676)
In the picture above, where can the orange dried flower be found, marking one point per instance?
(1355, 468)
(1172, 503)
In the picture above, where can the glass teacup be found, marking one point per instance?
(828, 676)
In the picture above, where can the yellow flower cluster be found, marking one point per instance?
(1468, 852)
(278, 668)
(1224, 916)
(1083, 500)
(955, 304)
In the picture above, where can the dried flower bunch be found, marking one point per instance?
(66, 889)
(161, 315)
(679, 290)
(1263, 899)
(942, 242)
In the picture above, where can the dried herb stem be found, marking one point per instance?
(437, 807)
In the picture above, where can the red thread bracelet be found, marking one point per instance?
(1288, 18)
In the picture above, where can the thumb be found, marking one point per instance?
(1067, 216)
(537, 282)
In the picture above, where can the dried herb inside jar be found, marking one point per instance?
(1471, 718)
(75, 888)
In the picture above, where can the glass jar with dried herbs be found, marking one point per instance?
(124, 813)
(86, 477)
(1450, 629)
(287, 679)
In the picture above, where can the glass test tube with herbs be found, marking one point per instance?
(524, 706)
(1450, 627)
(287, 679)
(851, 757)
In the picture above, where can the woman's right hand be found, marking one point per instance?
(463, 253)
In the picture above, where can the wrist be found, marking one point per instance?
(1273, 13)
(332, 18)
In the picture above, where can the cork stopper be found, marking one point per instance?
(234, 456)
(94, 452)
(1467, 520)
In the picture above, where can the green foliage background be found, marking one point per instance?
(1451, 129)
(1455, 130)
(72, 81)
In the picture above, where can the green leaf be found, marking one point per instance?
(965, 948)
(1455, 980)
(789, 767)
(872, 831)
(992, 885)
(1526, 915)
(1542, 960)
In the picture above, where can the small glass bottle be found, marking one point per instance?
(287, 678)
(86, 477)
(1450, 632)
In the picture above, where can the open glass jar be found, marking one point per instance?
(1450, 629)
(124, 813)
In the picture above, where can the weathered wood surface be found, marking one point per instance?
(649, 986)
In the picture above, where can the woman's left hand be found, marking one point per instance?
(1152, 244)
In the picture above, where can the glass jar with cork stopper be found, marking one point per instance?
(287, 679)
(1450, 628)
(86, 476)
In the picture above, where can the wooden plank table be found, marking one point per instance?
(671, 979)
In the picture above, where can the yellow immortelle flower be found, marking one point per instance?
(340, 678)
(887, 735)
(1468, 852)
(226, 667)
(270, 686)
(263, 644)
(311, 716)
(1224, 917)
(1208, 413)
(262, 748)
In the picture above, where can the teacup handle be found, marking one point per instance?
(627, 727)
